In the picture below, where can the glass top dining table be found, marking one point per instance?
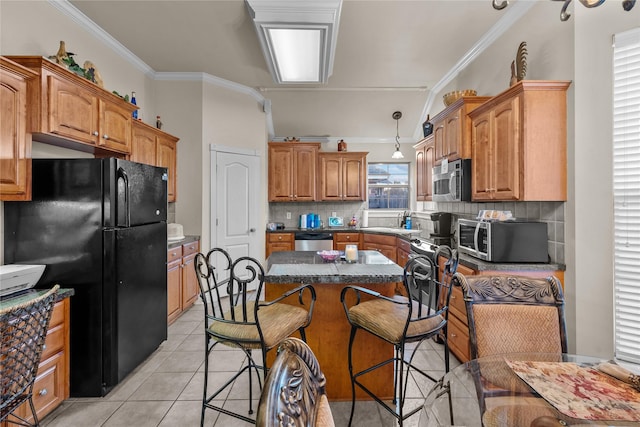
(531, 389)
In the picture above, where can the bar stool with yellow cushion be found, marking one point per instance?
(399, 320)
(511, 314)
(236, 316)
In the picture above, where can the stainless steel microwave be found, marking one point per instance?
(452, 181)
(504, 241)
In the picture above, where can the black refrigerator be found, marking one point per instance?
(100, 227)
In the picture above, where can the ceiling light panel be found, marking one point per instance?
(298, 38)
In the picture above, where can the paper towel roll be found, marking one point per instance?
(365, 218)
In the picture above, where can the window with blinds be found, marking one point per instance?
(626, 193)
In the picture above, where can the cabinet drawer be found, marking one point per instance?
(190, 248)
(174, 254)
(457, 306)
(57, 316)
(458, 334)
(54, 341)
(48, 389)
(404, 245)
(347, 237)
(280, 237)
(379, 239)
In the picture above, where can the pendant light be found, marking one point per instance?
(397, 154)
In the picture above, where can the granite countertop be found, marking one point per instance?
(187, 239)
(480, 265)
(29, 294)
(308, 267)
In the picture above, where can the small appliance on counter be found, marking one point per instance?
(18, 277)
(310, 220)
(504, 241)
(174, 232)
(441, 228)
(273, 226)
(336, 221)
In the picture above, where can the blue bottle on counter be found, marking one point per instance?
(311, 221)
(408, 223)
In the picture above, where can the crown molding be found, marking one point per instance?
(83, 20)
(511, 16)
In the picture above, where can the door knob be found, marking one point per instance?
(252, 230)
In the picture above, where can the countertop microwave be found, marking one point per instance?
(504, 241)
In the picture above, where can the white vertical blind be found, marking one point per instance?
(626, 193)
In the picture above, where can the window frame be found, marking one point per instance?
(406, 186)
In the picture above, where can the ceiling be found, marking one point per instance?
(389, 55)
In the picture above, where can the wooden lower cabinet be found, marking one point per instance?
(279, 242)
(51, 387)
(182, 283)
(384, 244)
(341, 240)
(458, 326)
(402, 256)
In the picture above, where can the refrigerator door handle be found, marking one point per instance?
(122, 174)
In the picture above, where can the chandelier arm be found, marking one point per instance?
(564, 15)
(500, 6)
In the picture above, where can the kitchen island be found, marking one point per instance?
(328, 334)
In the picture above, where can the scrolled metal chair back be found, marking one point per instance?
(23, 330)
(245, 271)
(210, 287)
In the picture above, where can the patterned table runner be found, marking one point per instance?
(580, 392)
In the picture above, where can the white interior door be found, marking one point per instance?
(235, 197)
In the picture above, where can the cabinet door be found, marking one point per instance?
(304, 173)
(73, 111)
(481, 164)
(421, 179)
(166, 157)
(190, 288)
(143, 145)
(353, 177)
(453, 135)
(15, 144)
(506, 154)
(280, 174)
(174, 290)
(330, 177)
(115, 127)
(439, 141)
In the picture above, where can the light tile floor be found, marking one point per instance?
(166, 390)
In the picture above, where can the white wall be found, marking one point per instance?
(591, 206)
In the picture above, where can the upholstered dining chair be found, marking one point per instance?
(23, 330)
(511, 314)
(236, 316)
(294, 392)
(399, 321)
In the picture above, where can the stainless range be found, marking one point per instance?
(420, 246)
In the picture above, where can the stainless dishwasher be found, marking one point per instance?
(314, 241)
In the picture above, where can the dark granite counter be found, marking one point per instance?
(479, 265)
(308, 267)
(187, 239)
(29, 294)
(400, 232)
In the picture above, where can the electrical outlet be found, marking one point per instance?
(288, 215)
(334, 214)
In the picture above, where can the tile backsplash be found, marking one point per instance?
(553, 213)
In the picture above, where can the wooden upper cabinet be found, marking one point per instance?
(452, 129)
(519, 144)
(15, 141)
(343, 176)
(425, 160)
(155, 147)
(115, 127)
(292, 171)
(68, 110)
